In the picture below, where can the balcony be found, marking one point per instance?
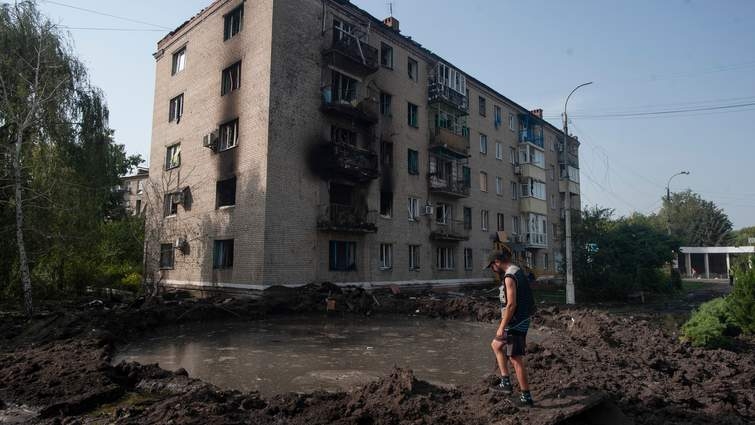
(448, 187)
(364, 112)
(455, 145)
(346, 218)
(346, 161)
(536, 240)
(441, 93)
(450, 231)
(353, 56)
(530, 171)
(533, 205)
(529, 136)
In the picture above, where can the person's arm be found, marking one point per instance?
(508, 313)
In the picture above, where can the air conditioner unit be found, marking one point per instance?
(428, 210)
(210, 140)
(518, 169)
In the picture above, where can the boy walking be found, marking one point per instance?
(517, 305)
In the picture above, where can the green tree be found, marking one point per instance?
(695, 221)
(741, 237)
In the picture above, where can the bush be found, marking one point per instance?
(742, 301)
(708, 325)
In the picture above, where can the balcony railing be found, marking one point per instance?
(364, 111)
(352, 55)
(441, 93)
(346, 218)
(529, 136)
(451, 230)
(453, 188)
(454, 144)
(347, 161)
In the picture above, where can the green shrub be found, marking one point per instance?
(676, 280)
(742, 301)
(132, 282)
(709, 324)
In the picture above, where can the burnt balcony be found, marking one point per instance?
(450, 231)
(444, 94)
(347, 218)
(352, 55)
(364, 112)
(449, 187)
(332, 159)
(445, 140)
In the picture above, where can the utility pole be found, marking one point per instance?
(668, 199)
(567, 210)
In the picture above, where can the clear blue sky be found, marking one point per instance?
(643, 55)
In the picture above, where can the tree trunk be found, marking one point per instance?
(22, 258)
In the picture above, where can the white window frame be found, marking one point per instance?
(483, 144)
(484, 220)
(468, 258)
(414, 257)
(483, 181)
(515, 225)
(178, 62)
(413, 208)
(411, 63)
(498, 185)
(513, 155)
(390, 61)
(444, 258)
(176, 108)
(511, 122)
(499, 151)
(514, 191)
(386, 256)
(229, 138)
(172, 153)
(446, 208)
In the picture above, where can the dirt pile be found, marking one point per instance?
(59, 364)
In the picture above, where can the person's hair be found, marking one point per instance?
(505, 254)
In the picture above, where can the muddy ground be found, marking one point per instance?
(55, 369)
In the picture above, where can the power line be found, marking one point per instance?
(666, 112)
(106, 14)
(110, 29)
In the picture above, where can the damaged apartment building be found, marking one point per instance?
(302, 141)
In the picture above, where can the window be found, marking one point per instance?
(533, 188)
(498, 186)
(515, 225)
(344, 89)
(342, 256)
(176, 108)
(386, 204)
(386, 256)
(386, 154)
(514, 191)
(442, 213)
(530, 155)
(497, 120)
(467, 258)
(512, 156)
(498, 151)
(413, 208)
(483, 181)
(413, 69)
(444, 258)
(170, 206)
(412, 115)
(545, 262)
(385, 104)
(482, 106)
(166, 256)
(413, 257)
(466, 174)
(413, 161)
(341, 30)
(138, 209)
(231, 78)
(225, 193)
(229, 135)
(501, 222)
(172, 156)
(484, 220)
(232, 22)
(179, 61)
(483, 144)
(467, 218)
(386, 56)
(553, 172)
(222, 254)
(553, 201)
(512, 123)
(343, 136)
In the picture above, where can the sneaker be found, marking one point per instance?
(526, 399)
(504, 386)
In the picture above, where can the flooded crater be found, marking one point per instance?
(307, 353)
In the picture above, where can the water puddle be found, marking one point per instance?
(307, 353)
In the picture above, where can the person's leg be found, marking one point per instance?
(521, 372)
(500, 357)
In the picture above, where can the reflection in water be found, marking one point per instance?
(316, 352)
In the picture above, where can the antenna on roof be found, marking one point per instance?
(390, 8)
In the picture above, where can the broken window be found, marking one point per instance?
(342, 256)
(442, 213)
(386, 204)
(176, 108)
(166, 256)
(342, 30)
(222, 254)
(343, 136)
(170, 206)
(229, 135)
(386, 154)
(179, 61)
(344, 88)
(232, 22)
(231, 78)
(172, 156)
(340, 194)
(226, 192)
(386, 55)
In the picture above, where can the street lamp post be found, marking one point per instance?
(668, 199)
(567, 212)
